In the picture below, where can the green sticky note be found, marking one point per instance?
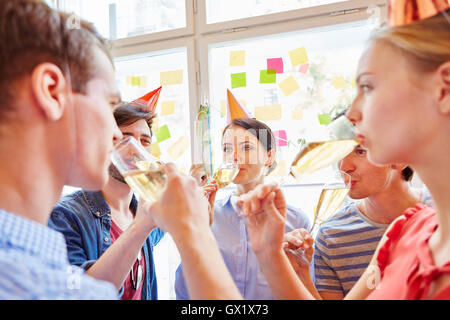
(135, 81)
(324, 118)
(163, 133)
(238, 80)
(268, 76)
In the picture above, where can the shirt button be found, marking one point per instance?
(106, 239)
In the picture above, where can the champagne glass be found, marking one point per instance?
(225, 174)
(141, 171)
(317, 155)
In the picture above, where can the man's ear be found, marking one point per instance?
(50, 90)
(443, 73)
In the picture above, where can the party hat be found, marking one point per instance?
(150, 99)
(403, 12)
(235, 109)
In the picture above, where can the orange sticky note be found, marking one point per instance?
(289, 86)
(178, 148)
(298, 56)
(171, 77)
(167, 108)
(237, 58)
(268, 113)
(339, 82)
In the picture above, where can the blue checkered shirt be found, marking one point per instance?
(34, 265)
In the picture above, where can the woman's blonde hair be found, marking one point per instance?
(425, 43)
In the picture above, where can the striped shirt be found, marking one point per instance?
(34, 265)
(344, 246)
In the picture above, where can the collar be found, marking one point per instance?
(98, 205)
(32, 238)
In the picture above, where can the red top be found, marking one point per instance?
(128, 291)
(405, 260)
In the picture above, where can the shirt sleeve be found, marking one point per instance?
(326, 278)
(60, 221)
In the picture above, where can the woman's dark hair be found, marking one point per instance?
(260, 130)
(128, 113)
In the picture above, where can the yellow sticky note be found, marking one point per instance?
(223, 107)
(268, 113)
(280, 169)
(297, 114)
(143, 82)
(167, 108)
(298, 56)
(171, 77)
(339, 82)
(354, 83)
(178, 148)
(289, 86)
(129, 80)
(155, 124)
(237, 58)
(156, 151)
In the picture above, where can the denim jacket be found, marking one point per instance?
(84, 218)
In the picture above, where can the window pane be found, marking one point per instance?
(313, 79)
(139, 75)
(125, 18)
(219, 11)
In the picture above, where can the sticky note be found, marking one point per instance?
(238, 80)
(354, 83)
(297, 114)
(298, 56)
(339, 82)
(289, 86)
(143, 82)
(163, 133)
(324, 119)
(268, 76)
(276, 64)
(280, 169)
(155, 124)
(135, 81)
(280, 138)
(171, 77)
(156, 151)
(223, 108)
(268, 113)
(178, 148)
(167, 108)
(304, 68)
(129, 79)
(237, 58)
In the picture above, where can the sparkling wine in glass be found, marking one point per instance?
(141, 171)
(225, 174)
(317, 155)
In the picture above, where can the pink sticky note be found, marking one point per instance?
(276, 64)
(280, 138)
(304, 68)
